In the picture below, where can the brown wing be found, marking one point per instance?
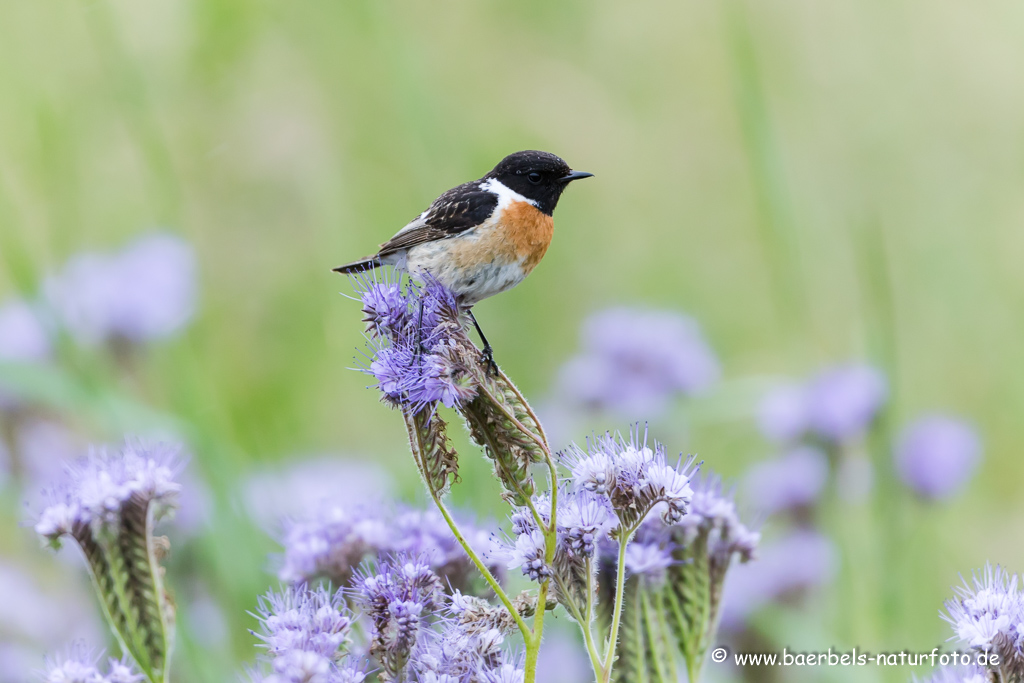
(454, 212)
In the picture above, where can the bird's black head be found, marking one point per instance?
(536, 175)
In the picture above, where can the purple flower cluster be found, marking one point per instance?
(335, 540)
(79, 665)
(399, 595)
(988, 615)
(649, 555)
(634, 361)
(306, 634)
(936, 455)
(418, 346)
(457, 654)
(632, 477)
(144, 292)
(836, 405)
(792, 482)
(98, 488)
(713, 515)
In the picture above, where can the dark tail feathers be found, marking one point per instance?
(368, 263)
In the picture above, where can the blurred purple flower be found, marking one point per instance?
(844, 400)
(562, 659)
(144, 292)
(713, 513)
(633, 361)
(649, 560)
(23, 337)
(81, 665)
(798, 562)
(331, 543)
(45, 616)
(302, 488)
(936, 455)
(791, 482)
(784, 413)
(97, 489)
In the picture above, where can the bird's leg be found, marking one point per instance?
(419, 334)
(492, 367)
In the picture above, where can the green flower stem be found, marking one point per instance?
(550, 543)
(620, 580)
(482, 568)
(585, 626)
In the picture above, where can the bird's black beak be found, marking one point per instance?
(575, 175)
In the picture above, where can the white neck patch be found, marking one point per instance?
(506, 195)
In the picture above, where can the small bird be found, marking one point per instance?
(483, 237)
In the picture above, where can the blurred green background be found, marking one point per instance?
(811, 181)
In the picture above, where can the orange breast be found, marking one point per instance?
(529, 230)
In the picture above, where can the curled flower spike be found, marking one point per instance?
(109, 505)
(398, 596)
(633, 477)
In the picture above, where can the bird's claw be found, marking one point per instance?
(489, 364)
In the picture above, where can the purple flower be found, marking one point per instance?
(988, 613)
(306, 635)
(633, 477)
(331, 543)
(80, 665)
(787, 567)
(649, 560)
(528, 554)
(584, 519)
(936, 455)
(23, 337)
(305, 488)
(844, 400)
(463, 651)
(398, 596)
(97, 489)
(837, 404)
(633, 361)
(419, 351)
(791, 482)
(714, 514)
(302, 620)
(146, 291)
(334, 540)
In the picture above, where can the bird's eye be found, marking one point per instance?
(534, 178)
